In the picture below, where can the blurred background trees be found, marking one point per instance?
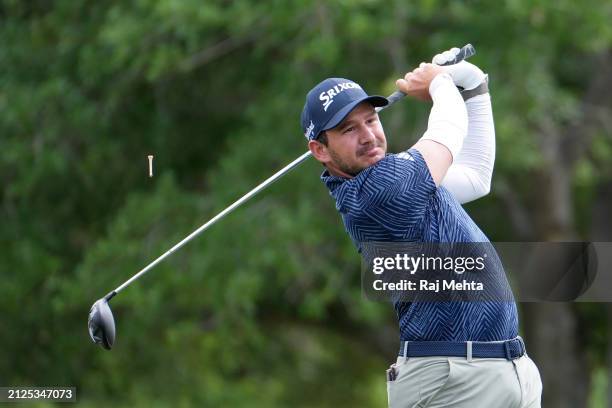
(266, 308)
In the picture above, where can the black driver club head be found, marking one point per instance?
(101, 323)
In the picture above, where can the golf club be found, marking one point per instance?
(101, 323)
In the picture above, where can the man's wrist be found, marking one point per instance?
(481, 89)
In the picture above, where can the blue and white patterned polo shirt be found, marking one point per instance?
(396, 200)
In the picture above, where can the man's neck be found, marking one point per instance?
(339, 173)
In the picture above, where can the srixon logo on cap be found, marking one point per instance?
(327, 97)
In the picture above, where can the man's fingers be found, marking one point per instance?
(423, 67)
(407, 83)
(416, 83)
(410, 77)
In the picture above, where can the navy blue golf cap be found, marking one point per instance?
(328, 103)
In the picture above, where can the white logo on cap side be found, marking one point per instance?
(327, 97)
(309, 130)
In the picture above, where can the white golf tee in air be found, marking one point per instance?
(150, 165)
(217, 217)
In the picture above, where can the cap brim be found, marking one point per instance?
(375, 100)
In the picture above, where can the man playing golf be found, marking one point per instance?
(452, 354)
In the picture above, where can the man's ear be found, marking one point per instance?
(319, 151)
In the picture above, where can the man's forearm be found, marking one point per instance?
(447, 124)
(469, 177)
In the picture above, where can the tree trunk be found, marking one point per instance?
(552, 343)
(601, 231)
(551, 328)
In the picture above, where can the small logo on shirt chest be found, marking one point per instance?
(405, 156)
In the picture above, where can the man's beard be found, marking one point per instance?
(346, 168)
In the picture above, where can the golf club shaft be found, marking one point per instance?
(217, 217)
(466, 52)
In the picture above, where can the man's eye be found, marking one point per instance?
(349, 129)
(372, 120)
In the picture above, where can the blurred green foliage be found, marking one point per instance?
(266, 308)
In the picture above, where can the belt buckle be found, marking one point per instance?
(507, 350)
(522, 344)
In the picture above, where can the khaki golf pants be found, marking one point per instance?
(432, 382)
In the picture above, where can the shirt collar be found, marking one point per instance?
(332, 182)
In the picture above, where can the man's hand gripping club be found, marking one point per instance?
(447, 125)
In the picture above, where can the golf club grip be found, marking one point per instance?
(464, 53)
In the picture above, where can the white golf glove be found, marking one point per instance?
(466, 75)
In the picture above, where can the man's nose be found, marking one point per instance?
(367, 136)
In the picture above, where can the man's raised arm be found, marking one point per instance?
(447, 125)
(469, 177)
